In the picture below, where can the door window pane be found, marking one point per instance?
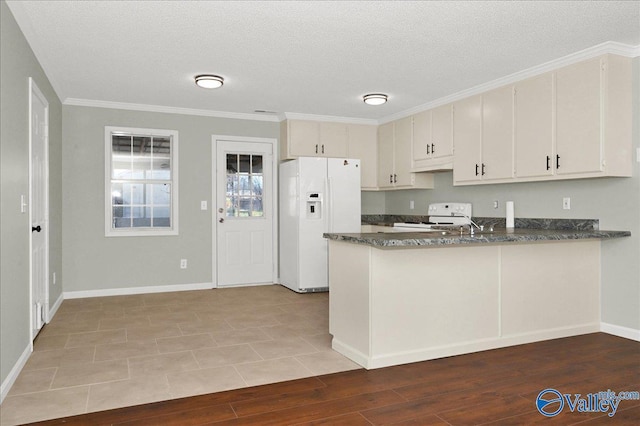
(245, 164)
(245, 185)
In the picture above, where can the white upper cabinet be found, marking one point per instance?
(483, 137)
(534, 149)
(467, 134)
(363, 146)
(578, 123)
(385, 156)
(497, 134)
(306, 138)
(433, 139)
(333, 139)
(402, 152)
(575, 122)
(394, 157)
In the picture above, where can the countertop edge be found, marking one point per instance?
(417, 239)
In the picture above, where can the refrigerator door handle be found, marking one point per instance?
(329, 206)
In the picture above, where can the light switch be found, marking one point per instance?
(203, 205)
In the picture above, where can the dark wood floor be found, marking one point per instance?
(498, 386)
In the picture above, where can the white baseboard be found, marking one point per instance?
(136, 290)
(53, 309)
(15, 371)
(617, 330)
(425, 354)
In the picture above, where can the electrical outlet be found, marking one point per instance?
(495, 204)
(203, 205)
(183, 263)
(412, 205)
(566, 203)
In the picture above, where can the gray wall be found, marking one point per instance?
(17, 64)
(92, 261)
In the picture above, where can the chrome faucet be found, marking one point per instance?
(471, 223)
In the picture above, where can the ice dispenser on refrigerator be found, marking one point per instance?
(314, 206)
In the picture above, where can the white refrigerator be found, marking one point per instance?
(317, 195)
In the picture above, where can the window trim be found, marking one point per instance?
(108, 216)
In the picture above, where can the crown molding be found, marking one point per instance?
(609, 47)
(168, 110)
(331, 118)
(600, 49)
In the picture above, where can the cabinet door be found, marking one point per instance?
(422, 136)
(363, 146)
(333, 140)
(533, 126)
(578, 120)
(467, 115)
(402, 152)
(441, 132)
(385, 155)
(497, 134)
(304, 140)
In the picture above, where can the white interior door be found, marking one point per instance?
(244, 213)
(39, 208)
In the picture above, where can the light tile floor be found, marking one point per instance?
(110, 352)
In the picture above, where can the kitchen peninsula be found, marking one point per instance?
(405, 297)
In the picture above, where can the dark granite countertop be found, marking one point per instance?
(453, 236)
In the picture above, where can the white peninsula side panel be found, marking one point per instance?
(394, 306)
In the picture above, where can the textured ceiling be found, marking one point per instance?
(305, 57)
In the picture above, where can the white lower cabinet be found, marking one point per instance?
(394, 306)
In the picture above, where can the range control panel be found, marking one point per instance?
(450, 213)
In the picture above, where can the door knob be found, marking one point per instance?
(36, 228)
(221, 220)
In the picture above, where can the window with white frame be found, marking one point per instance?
(141, 181)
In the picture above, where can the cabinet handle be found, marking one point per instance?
(477, 173)
(323, 148)
(548, 162)
(395, 178)
(316, 148)
(427, 149)
(433, 149)
(482, 169)
(557, 161)
(390, 178)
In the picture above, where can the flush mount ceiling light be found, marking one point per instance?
(375, 99)
(209, 81)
